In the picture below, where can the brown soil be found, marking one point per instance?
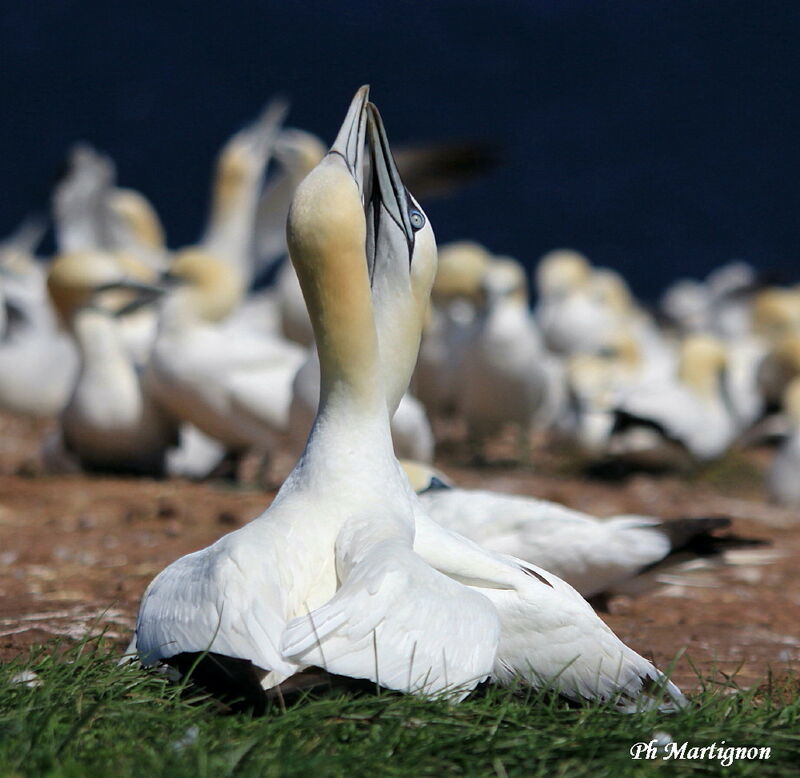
(76, 553)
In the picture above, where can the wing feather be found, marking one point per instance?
(398, 622)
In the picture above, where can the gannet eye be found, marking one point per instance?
(416, 218)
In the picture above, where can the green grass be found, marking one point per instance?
(89, 717)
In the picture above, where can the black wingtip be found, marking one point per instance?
(697, 535)
(236, 683)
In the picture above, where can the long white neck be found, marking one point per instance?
(104, 355)
(233, 213)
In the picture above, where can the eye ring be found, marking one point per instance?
(416, 218)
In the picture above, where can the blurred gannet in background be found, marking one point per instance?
(776, 313)
(594, 555)
(507, 375)
(449, 325)
(239, 173)
(594, 383)
(783, 476)
(718, 305)
(690, 414)
(93, 216)
(233, 384)
(777, 368)
(31, 344)
(572, 319)
(110, 423)
(327, 575)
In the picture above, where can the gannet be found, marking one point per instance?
(323, 544)
(31, 343)
(240, 168)
(296, 153)
(719, 305)
(233, 384)
(690, 414)
(449, 325)
(775, 313)
(93, 215)
(594, 382)
(571, 319)
(110, 423)
(507, 375)
(783, 476)
(593, 555)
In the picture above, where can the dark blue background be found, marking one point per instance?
(658, 136)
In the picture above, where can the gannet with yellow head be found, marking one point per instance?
(449, 325)
(508, 377)
(110, 423)
(657, 420)
(236, 187)
(578, 306)
(232, 383)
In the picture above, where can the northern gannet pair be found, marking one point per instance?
(345, 570)
(596, 556)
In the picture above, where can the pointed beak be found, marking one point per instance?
(349, 143)
(145, 294)
(388, 188)
(265, 130)
(130, 285)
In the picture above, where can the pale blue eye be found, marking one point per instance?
(417, 219)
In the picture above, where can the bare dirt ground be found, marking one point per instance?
(76, 553)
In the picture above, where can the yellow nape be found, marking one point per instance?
(134, 268)
(139, 217)
(461, 267)
(786, 353)
(701, 360)
(234, 170)
(420, 475)
(562, 271)
(299, 152)
(73, 278)
(776, 312)
(504, 279)
(326, 234)
(791, 400)
(610, 289)
(212, 285)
